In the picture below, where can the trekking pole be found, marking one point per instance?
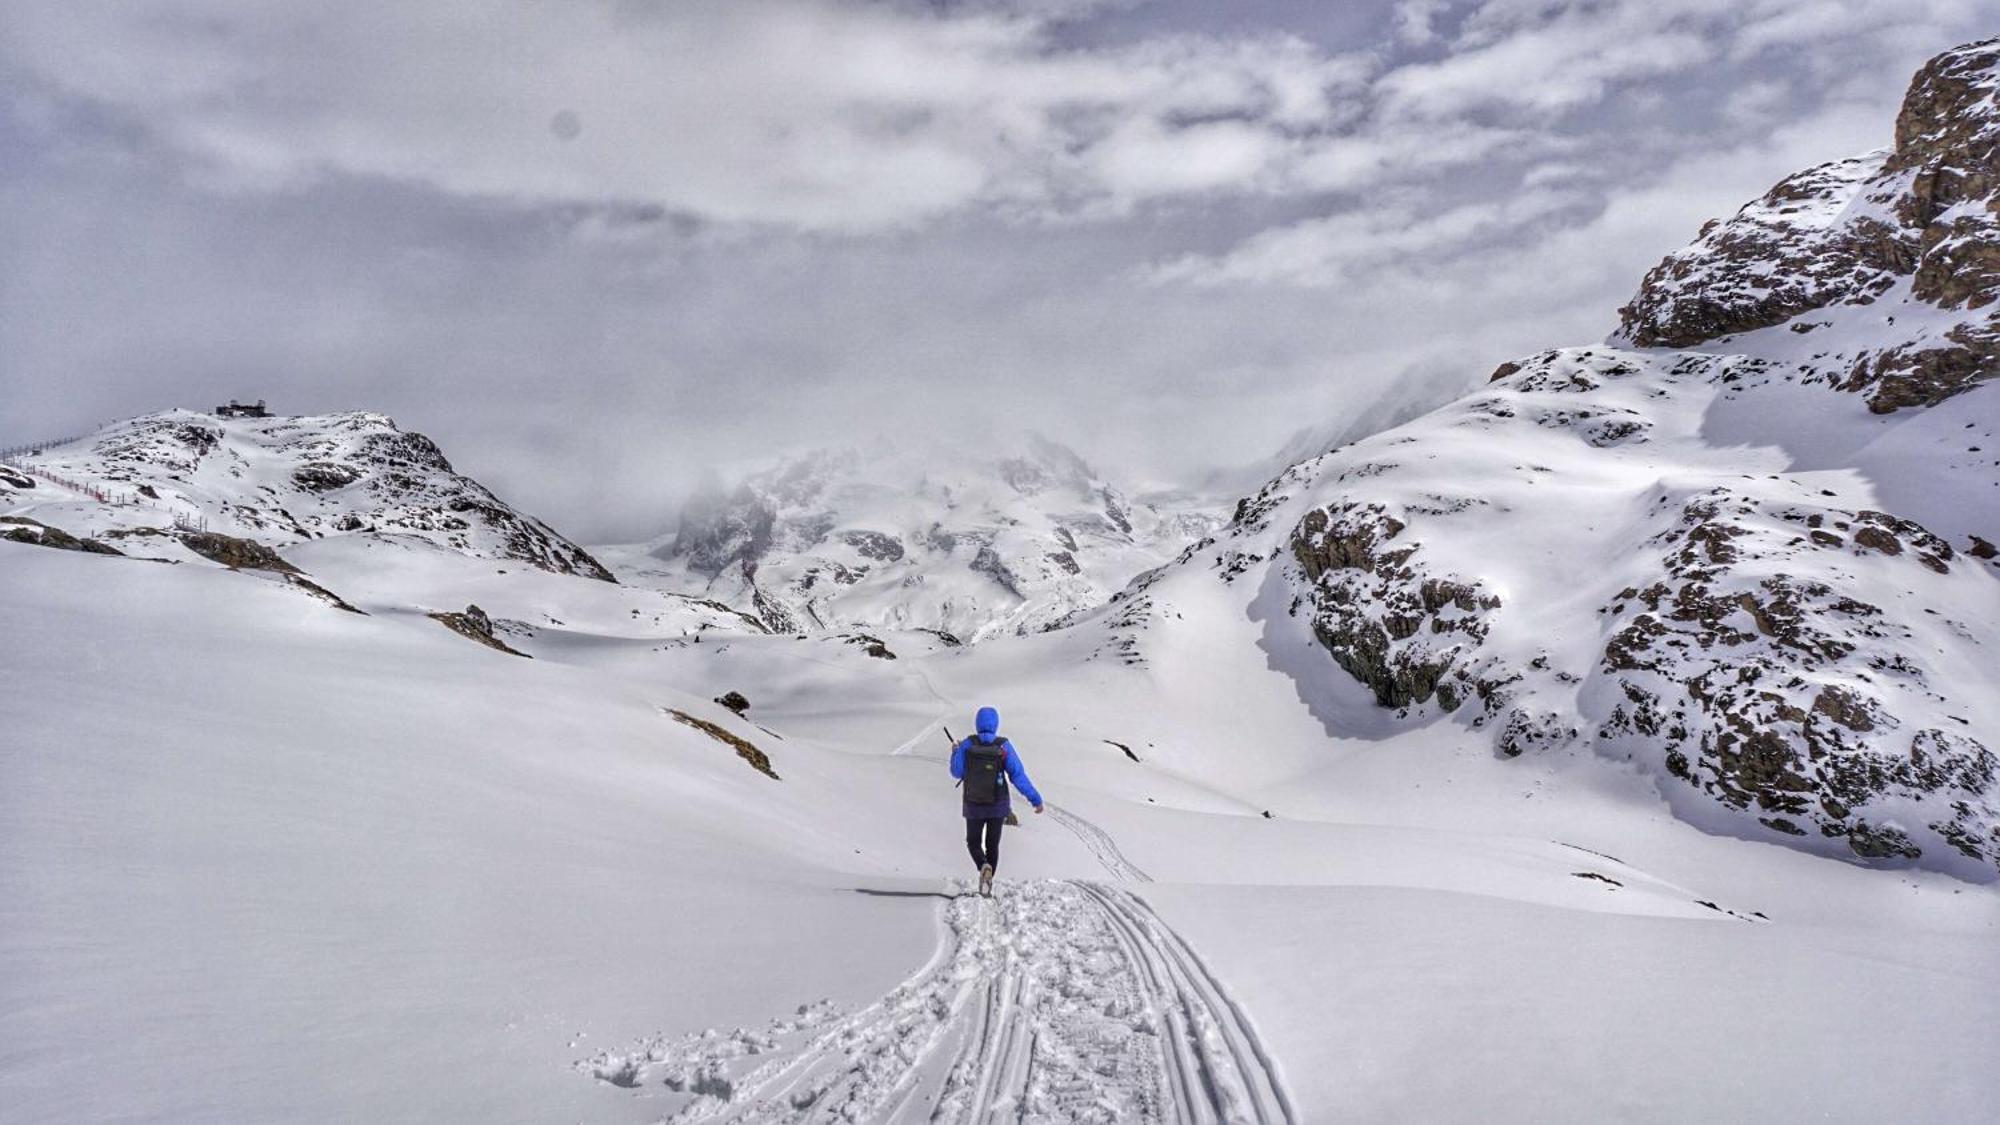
(954, 746)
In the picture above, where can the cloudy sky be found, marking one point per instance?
(595, 246)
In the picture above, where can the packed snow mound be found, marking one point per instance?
(1878, 273)
(280, 481)
(970, 541)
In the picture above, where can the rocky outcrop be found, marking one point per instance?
(236, 553)
(19, 529)
(301, 582)
(1776, 693)
(875, 545)
(873, 646)
(1407, 634)
(745, 749)
(1913, 231)
(1786, 254)
(475, 625)
(325, 476)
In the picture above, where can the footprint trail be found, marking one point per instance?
(1054, 1001)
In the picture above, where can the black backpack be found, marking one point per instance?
(985, 762)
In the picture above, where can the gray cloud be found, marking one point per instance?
(1168, 232)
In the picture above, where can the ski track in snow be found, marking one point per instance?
(1102, 846)
(944, 714)
(1053, 1001)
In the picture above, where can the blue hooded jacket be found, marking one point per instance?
(988, 725)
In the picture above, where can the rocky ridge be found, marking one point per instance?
(285, 480)
(1680, 552)
(1877, 272)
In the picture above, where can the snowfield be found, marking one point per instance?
(267, 859)
(1616, 743)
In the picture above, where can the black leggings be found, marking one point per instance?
(982, 839)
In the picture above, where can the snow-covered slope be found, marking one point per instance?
(969, 541)
(265, 859)
(269, 860)
(278, 481)
(1775, 601)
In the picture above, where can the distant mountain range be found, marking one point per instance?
(968, 541)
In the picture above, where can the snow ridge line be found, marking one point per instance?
(1102, 846)
(1055, 1001)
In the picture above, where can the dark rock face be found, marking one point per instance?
(401, 449)
(734, 700)
(477, 619)
(871, 645)
(745, 749)
(41, 535)
(522, 537)
(230, 551)
(989, 563)
(1847, 234)
(198, 438)
(301, 582)
(12, 479)
(874, 545)
(717, 532)
(475, 625)
(1769, 264)
(325, 476)
(1775, 693)
(1405, 634)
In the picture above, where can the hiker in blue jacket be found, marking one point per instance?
(986, 762)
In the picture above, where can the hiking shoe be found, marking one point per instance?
(986, 880)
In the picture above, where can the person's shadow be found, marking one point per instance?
(912, 894)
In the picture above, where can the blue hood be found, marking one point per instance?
(988, 723)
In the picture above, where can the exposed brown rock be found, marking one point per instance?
(240, 554)
(42, 535)
(1800, 249)
(475, 625)
(1398, 631)
(759, 761)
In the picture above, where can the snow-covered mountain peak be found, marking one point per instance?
(1877, 274)
(282, 480)
(968, 537)
(1687, 557)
